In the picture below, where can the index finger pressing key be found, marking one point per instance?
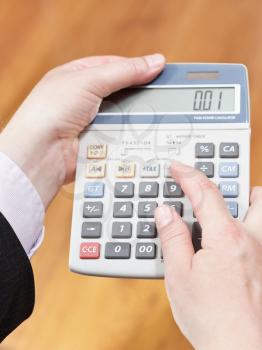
(208, 205)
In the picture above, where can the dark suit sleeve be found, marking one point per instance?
(17, 293)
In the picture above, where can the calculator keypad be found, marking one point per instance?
(134, 199)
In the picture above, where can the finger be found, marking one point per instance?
(208, 205)
(253, 218)
(175, 240)
(107, 78)
(88, 62)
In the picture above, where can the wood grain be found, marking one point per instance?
(76, 312)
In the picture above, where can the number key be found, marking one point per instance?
(145, 251)
(121, 230)
(172, 190)
(177, 205)
(146, 229)
(123, 210)
(148, 189)
(146, 209)
(117, 250)
(124, 190)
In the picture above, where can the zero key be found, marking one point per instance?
(117, 250)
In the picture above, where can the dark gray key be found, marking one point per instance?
(124, 189)
(148, 189)
(205, 150)
(229, 150)
(123, 210)
(91, 230)
(145, 251)
(146, 229)
(117, 250)
(206, 167)
(172, 190)
(177, 205)
(196, 236)
(146, 209)
(121, 230)
(93, 210)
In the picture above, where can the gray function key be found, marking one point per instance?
(93, 210)
(146, 229)
(124, 189)
(148, 189)
(121, 230)
(172, 190)
(91, 230)
(117, 250)
(145, 251)
(206, 167)
(177, 205)
(123, 210)
(146, 209)
(229, 150)
(205, 150)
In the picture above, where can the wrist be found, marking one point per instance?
(247, 339)
(41, 159)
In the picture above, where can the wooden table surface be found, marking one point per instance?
(76, 312)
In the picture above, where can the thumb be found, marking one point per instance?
(104, 79)
(175, 241)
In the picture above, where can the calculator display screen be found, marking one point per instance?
(187, 100)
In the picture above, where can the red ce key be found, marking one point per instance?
(89, 250)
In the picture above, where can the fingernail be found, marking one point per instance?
(155, 61)
(163, 215)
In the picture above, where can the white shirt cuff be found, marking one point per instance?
(21, 205)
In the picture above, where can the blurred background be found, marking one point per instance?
(76, 312)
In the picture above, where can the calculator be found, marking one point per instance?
(195, 113)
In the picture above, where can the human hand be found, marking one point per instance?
(42, 137)
(215, 294)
